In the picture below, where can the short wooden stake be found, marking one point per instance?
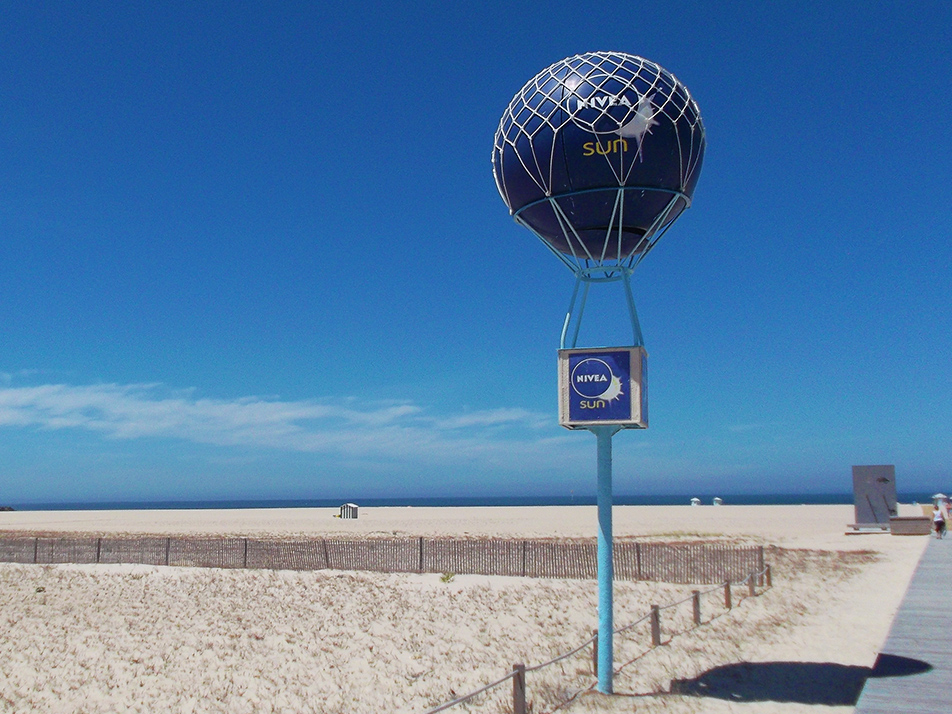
(519, 689)
(768, 579)
(655, 626)
(595, 653)
(696, 601)
(752, 584)
(727, 594)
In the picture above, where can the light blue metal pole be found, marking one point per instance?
(568, 315)
(632, 311)
(606, 568)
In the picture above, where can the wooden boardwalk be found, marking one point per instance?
(914, 670)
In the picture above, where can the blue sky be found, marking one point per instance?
(255, 250)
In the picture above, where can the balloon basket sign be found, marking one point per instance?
(598, 155)
(607, 386)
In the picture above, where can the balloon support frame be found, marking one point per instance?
(604, 268)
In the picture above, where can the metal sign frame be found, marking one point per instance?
(603, 386)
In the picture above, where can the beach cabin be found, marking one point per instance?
(695, 501)
(348, 510)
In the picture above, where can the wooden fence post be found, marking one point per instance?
(727, 594)
(420, 564)
(524, 546)
(768, 579)
(760, 566)
(655, 626)
(168, 547)
(98, 548)
(519, 689)
(36, 549)
(244, 558)
(696, 601)
(327, 557)
(752, 584)
(595, 653)
(638, 559)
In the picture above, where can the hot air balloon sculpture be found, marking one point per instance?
(598, 155)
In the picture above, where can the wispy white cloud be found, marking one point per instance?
(347, 428)
(496, 417)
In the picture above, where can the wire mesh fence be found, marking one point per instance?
(684, 563)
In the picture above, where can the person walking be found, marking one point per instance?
(938, 521)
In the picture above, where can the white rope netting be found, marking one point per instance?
(616, 104)
(579, 90)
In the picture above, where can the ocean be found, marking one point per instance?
(572, 500)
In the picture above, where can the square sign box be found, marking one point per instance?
(603, 386)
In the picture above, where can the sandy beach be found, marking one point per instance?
(822, 527)
(104, 638)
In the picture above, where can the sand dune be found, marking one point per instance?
(139, 638)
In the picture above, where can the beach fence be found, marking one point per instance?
(735, 572)
(684, 563)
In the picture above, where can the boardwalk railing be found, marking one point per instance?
(685, 563)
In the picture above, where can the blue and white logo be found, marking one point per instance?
(602, 385)
(593, 378)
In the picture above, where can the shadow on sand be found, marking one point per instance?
(824, 683)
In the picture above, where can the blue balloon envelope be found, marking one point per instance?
(599, 153)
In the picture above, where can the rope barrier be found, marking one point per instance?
(469, 696)
(620, 630)
(564, 656)
(675, 604)
(633, 624)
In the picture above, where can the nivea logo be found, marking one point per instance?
(593, 379)
(633, 123)
(604, 101)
